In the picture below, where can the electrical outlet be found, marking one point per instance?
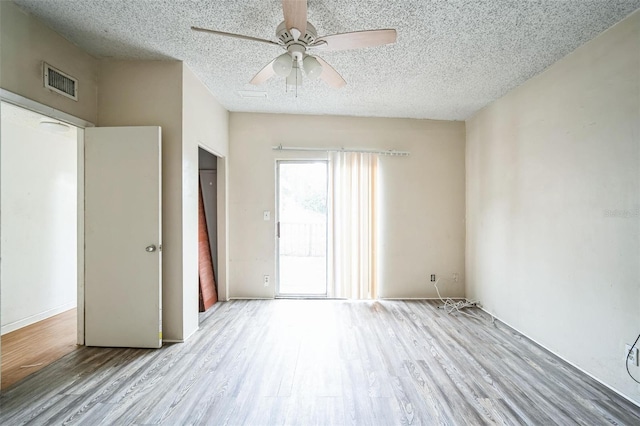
(632, 358)
(433, 278)
(265, 280)
(455, 277)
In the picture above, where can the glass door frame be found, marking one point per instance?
(278, 294)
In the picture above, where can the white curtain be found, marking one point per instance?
(352, 225)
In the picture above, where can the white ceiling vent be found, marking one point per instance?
(59, 82)
(252, 94)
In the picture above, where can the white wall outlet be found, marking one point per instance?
(265, 280)
(633, 357)
(455, 277)
(266, 215)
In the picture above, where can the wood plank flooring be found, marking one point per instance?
(267, 362)
(35, 346)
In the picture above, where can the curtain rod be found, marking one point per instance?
(391, 152)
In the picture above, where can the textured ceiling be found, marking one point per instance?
(451, 59)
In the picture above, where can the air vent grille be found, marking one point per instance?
(59, 82)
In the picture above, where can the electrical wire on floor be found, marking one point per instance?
(456, 306)
(628, 356)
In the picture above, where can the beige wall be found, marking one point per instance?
(168, 94)
(422, 215)
(25, 43)
(146, 93)
(206, 124)
(553, 199)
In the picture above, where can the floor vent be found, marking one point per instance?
(59, 82)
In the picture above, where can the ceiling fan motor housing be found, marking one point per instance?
(285, 36)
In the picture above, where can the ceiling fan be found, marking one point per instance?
(299, 38)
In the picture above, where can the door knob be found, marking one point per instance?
(150, 248)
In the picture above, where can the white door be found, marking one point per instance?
(123, 237)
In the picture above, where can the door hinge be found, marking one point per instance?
(278, 230)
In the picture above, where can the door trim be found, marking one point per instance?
(31, 105)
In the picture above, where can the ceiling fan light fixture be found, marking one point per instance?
(312, 67)
(283, 64)
(297, 36)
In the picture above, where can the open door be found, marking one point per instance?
(123, 237)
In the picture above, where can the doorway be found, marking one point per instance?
(302, 228)
(207, 230)
(39, 240)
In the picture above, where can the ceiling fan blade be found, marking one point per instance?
(329, 75)
(264, 74)
(240, 36)
(355, 40)
(295, 15)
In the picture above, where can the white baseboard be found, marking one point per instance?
(180, 340)
(420, 298)
(341, 298)
(192, 333)
(634, 402)
(251, 298)
(8, 328)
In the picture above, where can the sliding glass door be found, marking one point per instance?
(302, 228)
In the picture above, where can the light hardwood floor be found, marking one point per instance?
(32, 348)
(321, 362)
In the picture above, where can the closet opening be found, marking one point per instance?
(207, 229)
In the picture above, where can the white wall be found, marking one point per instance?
(422, 215)
(25, 43)
(553, 205)
(39, 219)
